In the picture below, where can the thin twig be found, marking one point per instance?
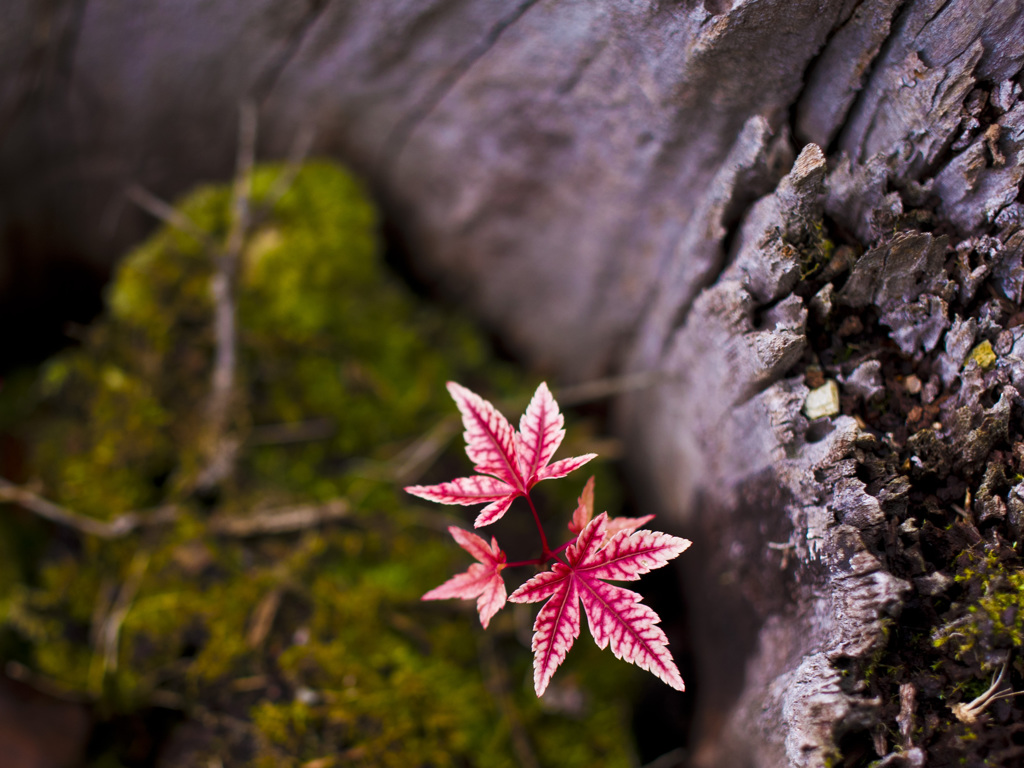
(26, 499)
(168, 214)
(222, 451)
(421, 454)
(972, 711)
(279, 521)
(105, 597)
(262, 619)
(110, 637)
(242, 188)
(296, 157)
(225, 359)
(290, 519)
(787, 548)
(104, 529)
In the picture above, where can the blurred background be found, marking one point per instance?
(223, 356)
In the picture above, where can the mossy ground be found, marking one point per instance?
(305, 649)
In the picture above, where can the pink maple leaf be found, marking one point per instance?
(510, 463)
(615, 615)
(482, 580)
(585, 512)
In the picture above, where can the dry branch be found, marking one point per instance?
(411, 463)
(296, 157)
(276, 521)
(279, 521)
(110, 633)
(105, 529)
(222, 448)
(168, 214)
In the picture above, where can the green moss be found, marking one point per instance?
(815, 250)
(991, 614)
(874, 667)
(316, 642)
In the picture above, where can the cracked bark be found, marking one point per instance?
(633, 187)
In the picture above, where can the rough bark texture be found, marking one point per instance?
(727, 192)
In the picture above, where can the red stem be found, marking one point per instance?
(545, 551)
(517, 563)
(548, 553)
(556, 552)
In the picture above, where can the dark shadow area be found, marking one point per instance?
(137, 739)
(44, 296)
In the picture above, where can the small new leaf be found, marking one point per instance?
(585, 512)
(616, 616)
(482, 580)
(510, 463)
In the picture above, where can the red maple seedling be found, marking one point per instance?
(510, 462)
(603, 549)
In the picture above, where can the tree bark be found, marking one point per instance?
(711, 190)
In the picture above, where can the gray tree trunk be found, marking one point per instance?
(717, 191)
